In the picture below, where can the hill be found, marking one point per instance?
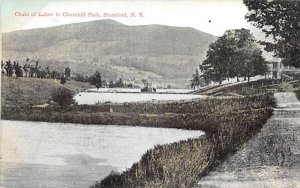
(30, 91)
(163, 54)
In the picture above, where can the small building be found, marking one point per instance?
(281, 72)
(148, 88)
(276, 70)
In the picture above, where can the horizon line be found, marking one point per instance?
(107, 19)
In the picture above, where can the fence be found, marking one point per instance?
(253, 91)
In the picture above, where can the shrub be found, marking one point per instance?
(63, 96)
(63, 80)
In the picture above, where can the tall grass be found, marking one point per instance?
(228, 123)
(181, 164)
(195, 115)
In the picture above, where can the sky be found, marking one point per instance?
(211, 16)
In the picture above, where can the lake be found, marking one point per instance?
(122, 95)
(39, 154)
(137, 90)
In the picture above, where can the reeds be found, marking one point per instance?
(228, 124)
(183, 163)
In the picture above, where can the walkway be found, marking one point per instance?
(269, 159)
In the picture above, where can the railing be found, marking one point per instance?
(285, 70)
(252, 91)
(290, 70)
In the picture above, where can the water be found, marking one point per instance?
(132, 95)
(114, 90)
(38, 154)
(136, 90)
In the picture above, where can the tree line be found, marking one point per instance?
(236, 54)
(98, 82)
(279, 21)
(31, 68)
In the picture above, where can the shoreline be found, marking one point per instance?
(193, 114)
(228, 123)
(182, 164)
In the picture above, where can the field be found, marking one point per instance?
(31, 91)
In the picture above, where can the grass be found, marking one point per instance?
(195, 115)
(30, 91)
(183, 163)
(228, 123)
(253, 87)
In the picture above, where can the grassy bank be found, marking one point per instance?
(196, 115)
(253, 88)
(228, 122)
(16, 92)
(181, 164)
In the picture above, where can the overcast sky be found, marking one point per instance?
(211, 16)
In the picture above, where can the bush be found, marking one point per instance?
(63, 80)
(63, 96)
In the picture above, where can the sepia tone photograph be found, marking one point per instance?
(150, 94)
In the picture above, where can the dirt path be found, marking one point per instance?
(271, 158)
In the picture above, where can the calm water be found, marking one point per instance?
(136, 90)
(132, 95)
(37, 154)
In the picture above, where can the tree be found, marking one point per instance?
(63, 96)
(279, 20)
(80, 78)
(36, 67)
(2, 67)
(111, 84)
(67, 73)
(96, 80)
(196, 80)
(251, 62)
(120, 83)
(26, 69)
(233, 55)
(8, 68)
(219, 59)
(18, 70)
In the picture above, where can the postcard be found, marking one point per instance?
(127, 93)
